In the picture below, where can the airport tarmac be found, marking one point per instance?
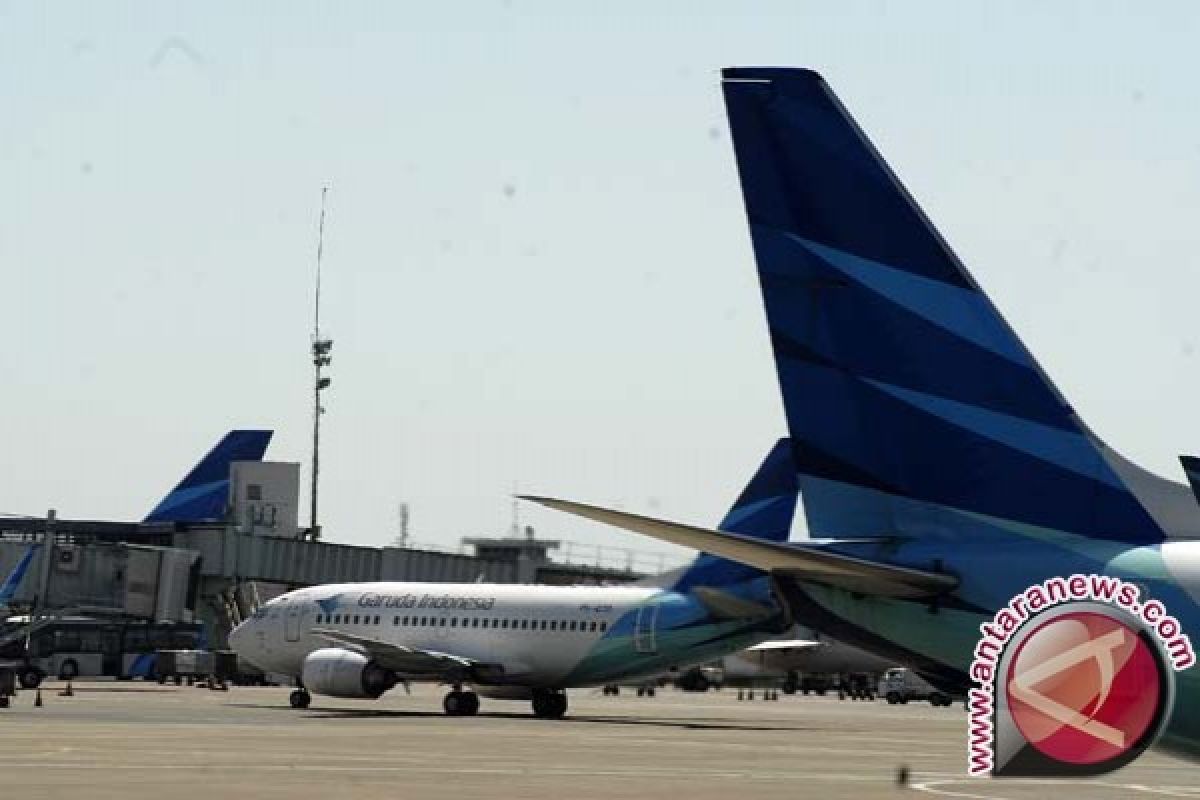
(137, 740)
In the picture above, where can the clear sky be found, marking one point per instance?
(537, 268)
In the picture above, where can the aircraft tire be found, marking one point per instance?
(548, 704)
(299, 698)
(30, 678)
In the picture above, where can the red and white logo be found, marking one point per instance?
(1084, 688)
(1073, 676)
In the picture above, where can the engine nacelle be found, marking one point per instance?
(337, 672)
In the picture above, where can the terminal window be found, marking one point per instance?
(254, 491)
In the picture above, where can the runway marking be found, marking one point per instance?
(935, 787)
(533, 771)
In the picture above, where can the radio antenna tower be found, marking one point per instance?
(402, 518)
(321, 356)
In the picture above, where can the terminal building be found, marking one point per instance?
(217, 572)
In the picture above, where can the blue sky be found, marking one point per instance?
(537, 269)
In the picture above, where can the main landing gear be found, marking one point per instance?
(458, 703)
(549, 703)
(300, 698)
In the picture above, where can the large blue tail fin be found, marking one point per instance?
(764, 510)
(913, 407)
(203, 494)
(8, 590)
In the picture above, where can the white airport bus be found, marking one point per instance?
(73, 647)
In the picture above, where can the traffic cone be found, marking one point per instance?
(37, 699)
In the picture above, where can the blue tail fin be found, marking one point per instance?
(913, 407)
(764, 510)
(8, 590)
(203, 494)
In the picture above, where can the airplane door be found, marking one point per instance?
(291, 622)
(643, 629)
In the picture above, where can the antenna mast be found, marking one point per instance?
(321, 349)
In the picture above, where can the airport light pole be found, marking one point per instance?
(322, 350)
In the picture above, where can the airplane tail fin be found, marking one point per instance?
(8, 590)
(202, 495)
(913, 407)
(764, 510)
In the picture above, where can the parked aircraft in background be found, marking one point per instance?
(942, 470)
(203, 493)
(526, 642)
(806, 661)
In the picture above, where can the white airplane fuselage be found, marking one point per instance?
(531, 636)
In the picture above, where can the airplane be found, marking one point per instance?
(806, 660)
(203, 493)
(520, 642)
(941, 471)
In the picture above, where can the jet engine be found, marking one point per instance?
(337, 672)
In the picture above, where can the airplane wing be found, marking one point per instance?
(401, 659)
(795, 560)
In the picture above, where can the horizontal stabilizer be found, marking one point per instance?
(803, 562)
(784, 644)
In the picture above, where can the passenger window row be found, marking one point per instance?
(501, 623)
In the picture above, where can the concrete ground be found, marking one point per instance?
(135, 740)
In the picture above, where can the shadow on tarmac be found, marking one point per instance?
(683, 724)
